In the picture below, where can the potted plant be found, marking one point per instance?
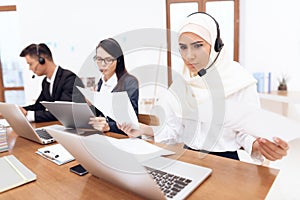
(282, 83)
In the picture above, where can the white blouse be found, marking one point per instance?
(194, 133)
(109, 85)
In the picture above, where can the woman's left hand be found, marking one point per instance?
(271, 150)
(127, 128)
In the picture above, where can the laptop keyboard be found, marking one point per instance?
(43, 134)
(169, 184)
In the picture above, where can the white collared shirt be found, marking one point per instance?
(30, 114)
(109, 85)
(51, 81)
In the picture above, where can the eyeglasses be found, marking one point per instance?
(107, 61)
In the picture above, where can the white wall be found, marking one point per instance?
(72, 29)
(269, 40)
(269, 35)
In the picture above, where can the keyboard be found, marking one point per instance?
(169, 184)
(43, 134)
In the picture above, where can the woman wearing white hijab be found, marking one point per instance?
(222, 82)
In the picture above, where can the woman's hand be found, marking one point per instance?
(271, 150)
(127, 128)
(99, 123)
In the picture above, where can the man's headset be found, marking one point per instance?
(218, 43)
(40, 59)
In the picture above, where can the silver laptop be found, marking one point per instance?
(106, 161)
(70, 114)
(20, 124)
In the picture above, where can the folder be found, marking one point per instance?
(55, 153)
(13, 173)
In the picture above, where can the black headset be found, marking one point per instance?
(218, 43)
(40, 59)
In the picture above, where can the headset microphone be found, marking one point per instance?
(33, 76)
(202, 72)
(218, 43)
(40, 59)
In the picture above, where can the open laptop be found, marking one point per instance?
(70, 114)
(20, 124)
(106, 161)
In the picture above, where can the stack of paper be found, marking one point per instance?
(13, 173)
(55, 153)
(4, 123)
(3, 140)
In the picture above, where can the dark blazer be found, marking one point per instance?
(63, 90)
(127, 83)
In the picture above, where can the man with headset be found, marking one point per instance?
(58, 85)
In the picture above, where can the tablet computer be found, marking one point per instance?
(70, 114)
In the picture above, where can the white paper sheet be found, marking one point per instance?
(260, 123)
(286, 184)
(142, 149)
(116, 105)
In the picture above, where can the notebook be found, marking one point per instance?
(22, 127)
(13, 173)
(104, 160)
(55, 153)
(70, 114)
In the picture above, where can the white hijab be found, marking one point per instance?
(233, 76)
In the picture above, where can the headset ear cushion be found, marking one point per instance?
(41, 60)
(218, 44)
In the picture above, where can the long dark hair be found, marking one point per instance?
(112, 47)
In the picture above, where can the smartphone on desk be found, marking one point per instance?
(79, 170)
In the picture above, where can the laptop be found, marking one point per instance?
(22, 127)
(70, 114)
(104, 160)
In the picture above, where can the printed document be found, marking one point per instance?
(116, 105)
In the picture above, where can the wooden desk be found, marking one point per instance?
(230, 179)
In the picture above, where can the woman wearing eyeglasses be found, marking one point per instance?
(115, 78)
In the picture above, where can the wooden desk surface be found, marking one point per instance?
(230, 179)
